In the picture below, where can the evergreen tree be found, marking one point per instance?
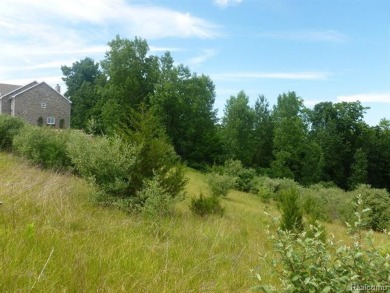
(292, 219)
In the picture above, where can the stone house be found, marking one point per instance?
(36, 103)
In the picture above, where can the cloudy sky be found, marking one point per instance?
(324, 50)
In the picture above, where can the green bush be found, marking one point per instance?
(244, 176)
(264, 187)
(305, 263)
(292, 218)
(203, 206)
(327, 204)
(40, 121)
(155, 156)
(271, 188)
(106, 161)
(220, 184)
(9, 128)
(156, 201)
(378, 201)
(43, 146)
(314, 206)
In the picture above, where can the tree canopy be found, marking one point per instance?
(330, 142)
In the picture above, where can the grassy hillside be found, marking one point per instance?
(53, 238)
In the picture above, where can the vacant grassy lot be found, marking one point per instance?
(53, 238)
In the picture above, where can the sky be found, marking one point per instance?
(324, 50)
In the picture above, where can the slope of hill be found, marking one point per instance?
(54, 238)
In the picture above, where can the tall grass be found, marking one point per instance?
(98, 249)
(53, 238)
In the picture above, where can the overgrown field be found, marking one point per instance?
(54, 238)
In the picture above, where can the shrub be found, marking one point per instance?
(220, 184)
(268, 188)
(315, 206)
(378, 201)
(43, 146)
(62, 124)
(327, 203)
(203, 206)
(107, 161)
(155, 156)
(9, 128)
(244, 176)
(292, 219)
(40, 121)
(265, 187)
(155, 200)
(311, 265)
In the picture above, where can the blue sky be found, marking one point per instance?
(324, 50)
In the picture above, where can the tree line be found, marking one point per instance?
(330, 143)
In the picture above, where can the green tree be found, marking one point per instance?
(358, 169)
(339, 130)
(156, 157)
(263, 134)
(290, 137)
(376, 145)
(184, 102)
(292, 218)
(238, 128)
(82, 80)
(131, 77)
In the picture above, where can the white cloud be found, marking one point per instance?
(145, 20)
(308, 35)
(270, 75)
(37, 34)
(202, 57)
(226, 3)
(366, 98)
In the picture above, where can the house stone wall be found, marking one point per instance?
(28, 105)
(6, 101)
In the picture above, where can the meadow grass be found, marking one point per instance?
(54, 238)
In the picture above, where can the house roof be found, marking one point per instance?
(7, 88)
(20, 88)
(35, 84)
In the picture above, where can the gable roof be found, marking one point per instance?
(21, 88)
(35, 85)
(7, 88)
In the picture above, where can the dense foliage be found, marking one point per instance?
(9, 128)
(206, 205)
(137, 171)
(329, 143)
(43, 146)
(310, 263)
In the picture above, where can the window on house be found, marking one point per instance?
(43, 105)
(51, 120)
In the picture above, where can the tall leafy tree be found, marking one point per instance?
(82, 80)
(358, 169)
(289, 136)
(184, 102)
(263, 133)
(339, 130)
(131, 77)
(376, 145)
(238, 128)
